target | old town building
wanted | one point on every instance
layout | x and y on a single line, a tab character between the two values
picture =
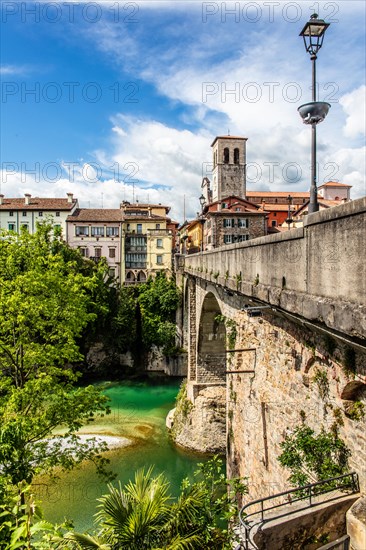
146	241
19	213
229	216
96	232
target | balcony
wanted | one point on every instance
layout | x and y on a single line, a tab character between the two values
135	265
129	248
158	232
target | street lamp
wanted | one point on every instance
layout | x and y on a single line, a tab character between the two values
289	219
201	218
315	112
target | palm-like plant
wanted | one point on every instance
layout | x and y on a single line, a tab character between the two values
143	516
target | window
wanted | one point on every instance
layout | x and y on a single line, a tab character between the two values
11	226
82	231
224	205
241	238
238	209
112	252
209	239
157	226
24	226
24	214
159	243
243	222
57	214
228	222
40	214
112	272
139	228
112	231
134	260
275	214
84	251
236	156
226	155
228	239
98	252
97	231
11	213
274	223
159	259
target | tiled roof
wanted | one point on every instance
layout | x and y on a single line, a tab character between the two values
228	137
275	207
334	184
37	203
271	194
96	215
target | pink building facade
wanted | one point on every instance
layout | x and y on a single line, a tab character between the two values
97	234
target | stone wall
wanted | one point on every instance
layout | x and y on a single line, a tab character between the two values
298	374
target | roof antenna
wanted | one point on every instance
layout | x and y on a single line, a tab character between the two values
102	200
228	131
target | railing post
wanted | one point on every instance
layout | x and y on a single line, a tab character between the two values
310	503
262	511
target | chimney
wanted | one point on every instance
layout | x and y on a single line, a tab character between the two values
27	197
1	199
70	197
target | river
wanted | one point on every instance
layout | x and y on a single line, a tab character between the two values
138	414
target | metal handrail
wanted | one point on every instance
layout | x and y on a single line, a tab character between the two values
301	493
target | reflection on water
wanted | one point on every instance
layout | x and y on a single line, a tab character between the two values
138	413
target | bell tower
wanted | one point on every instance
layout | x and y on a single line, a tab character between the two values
229	167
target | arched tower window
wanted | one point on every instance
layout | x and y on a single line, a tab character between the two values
236	155
215	158
226	155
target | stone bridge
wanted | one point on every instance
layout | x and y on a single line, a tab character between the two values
275	330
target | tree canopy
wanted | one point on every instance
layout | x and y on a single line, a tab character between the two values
48	295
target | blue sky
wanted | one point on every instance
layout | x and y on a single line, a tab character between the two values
115	100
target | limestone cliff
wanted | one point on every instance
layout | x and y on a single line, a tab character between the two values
201	427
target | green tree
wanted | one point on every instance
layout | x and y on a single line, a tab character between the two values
323	455
48	296
159	299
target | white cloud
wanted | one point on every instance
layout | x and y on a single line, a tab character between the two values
354	105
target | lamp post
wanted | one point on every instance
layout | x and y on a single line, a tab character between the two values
202	219
289	219
316	111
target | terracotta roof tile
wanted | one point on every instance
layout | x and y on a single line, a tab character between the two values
96	215
334	184
37	203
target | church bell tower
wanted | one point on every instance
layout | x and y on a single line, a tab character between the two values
229	167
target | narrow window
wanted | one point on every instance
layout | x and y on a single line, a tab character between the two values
112	252
139	228
226	155
157	226
236	155
11	226
11	213
24	214
159	259
98	252
274	223
40	214
57	214
159	243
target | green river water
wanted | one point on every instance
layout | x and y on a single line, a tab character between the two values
139	410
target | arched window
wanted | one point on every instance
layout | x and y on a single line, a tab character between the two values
215	158
236	155
226	155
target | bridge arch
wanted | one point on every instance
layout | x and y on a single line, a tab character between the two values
211	345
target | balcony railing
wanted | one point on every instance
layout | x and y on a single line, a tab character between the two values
136	265
157	232
307	496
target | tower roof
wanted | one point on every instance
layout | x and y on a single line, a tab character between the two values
228	137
